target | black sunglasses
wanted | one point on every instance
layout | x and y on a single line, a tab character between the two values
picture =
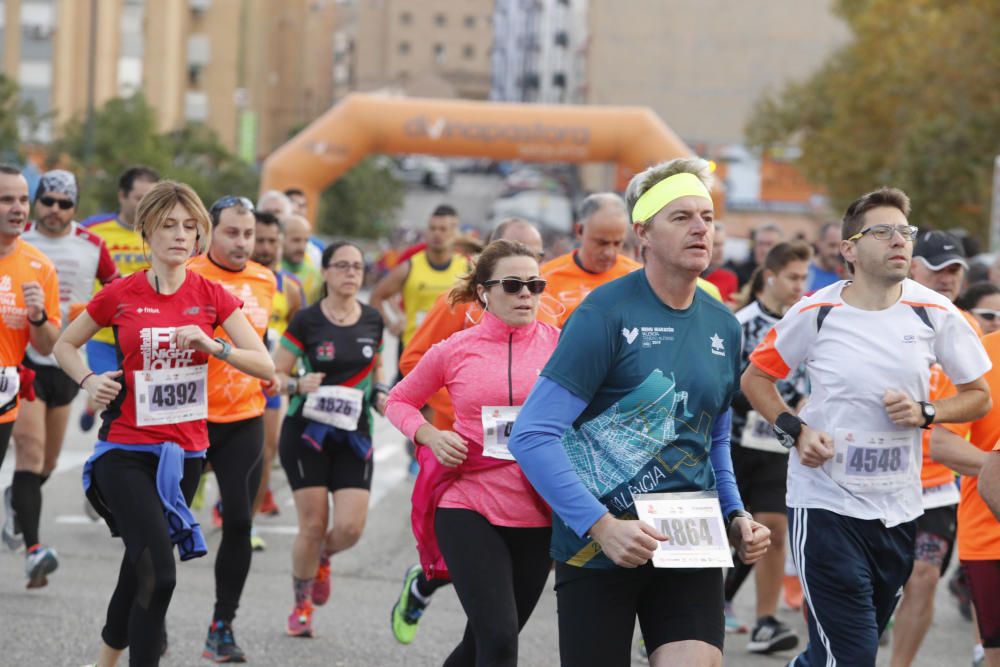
229	201
515	285
64	204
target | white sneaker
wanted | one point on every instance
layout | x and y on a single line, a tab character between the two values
12	537
38	564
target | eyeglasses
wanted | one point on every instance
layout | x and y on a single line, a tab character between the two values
229	201
986	314
345	265
515	285
64	204
885	232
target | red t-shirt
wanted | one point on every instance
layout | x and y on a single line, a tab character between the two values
144	324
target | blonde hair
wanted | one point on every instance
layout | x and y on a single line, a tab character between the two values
157	204
644	180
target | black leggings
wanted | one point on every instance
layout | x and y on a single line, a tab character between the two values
146	579
499	574
5	431
236	452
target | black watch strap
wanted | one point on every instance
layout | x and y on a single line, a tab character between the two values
735	514
788	427
40	321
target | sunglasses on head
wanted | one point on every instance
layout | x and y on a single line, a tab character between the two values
515	285
228	202
64	204
986	314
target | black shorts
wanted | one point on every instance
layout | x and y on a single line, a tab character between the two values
761	477
984	582
936	530
598	607
52	386
336	467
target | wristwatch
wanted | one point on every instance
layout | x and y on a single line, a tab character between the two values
787	428
39	322
226	349
292	386
929	412
735	514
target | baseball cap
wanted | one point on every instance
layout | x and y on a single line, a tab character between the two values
940	249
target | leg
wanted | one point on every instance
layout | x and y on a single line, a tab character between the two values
26	488
350	511
531	564
771	568
311	506
587	639
681	616
984	582
272	430
56	421
5	431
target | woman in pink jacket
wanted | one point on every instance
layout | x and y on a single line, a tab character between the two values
476	518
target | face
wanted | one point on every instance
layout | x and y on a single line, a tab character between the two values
13	204
764	240
988	321
233	238
267	244
947	281
883	261
297	232
52	218
828	249
788	285
441	231
680	235
299	204
345	272
174	240
127	204
527	235
513	309
602	238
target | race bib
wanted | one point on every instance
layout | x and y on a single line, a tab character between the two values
942	495
693	524
498	422
10	384
759	434
873	461
170	395
335	405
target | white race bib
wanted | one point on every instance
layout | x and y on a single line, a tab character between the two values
942	495
498	422
10	384
693	523
873	461
171	395
759	434
335	405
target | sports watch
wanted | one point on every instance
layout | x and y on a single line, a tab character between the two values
226	349
929	412
787	428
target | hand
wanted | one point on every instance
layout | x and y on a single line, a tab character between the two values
396	327
749	538
815	447
449	448
103	388
193	337
902	410
627	543
271	387
310	382
34	299
380	401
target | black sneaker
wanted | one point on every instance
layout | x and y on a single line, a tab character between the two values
220	645
770	635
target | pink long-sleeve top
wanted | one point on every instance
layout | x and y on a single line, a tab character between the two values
490	364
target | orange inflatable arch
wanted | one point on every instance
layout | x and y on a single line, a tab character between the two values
362	124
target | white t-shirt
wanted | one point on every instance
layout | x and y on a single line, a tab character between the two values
852	357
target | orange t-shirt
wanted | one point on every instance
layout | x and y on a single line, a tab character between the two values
569	284
24	264
978	529
232	394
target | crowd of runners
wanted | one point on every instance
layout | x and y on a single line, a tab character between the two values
653	423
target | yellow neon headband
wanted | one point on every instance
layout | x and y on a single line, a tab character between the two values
664	192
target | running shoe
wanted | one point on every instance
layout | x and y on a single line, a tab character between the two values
734	625
978	655
11	532
408	609
321	583
793	592
39	562
87	419
770	635
217	514
257	542
220	645
268	506
198	501
300	620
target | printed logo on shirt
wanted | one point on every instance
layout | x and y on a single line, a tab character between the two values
653	336
5	284
367	351
158	346
193	310
147	310
909	338
630	335
14	317
718	345
325	351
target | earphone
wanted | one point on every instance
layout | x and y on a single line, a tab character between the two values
770	280
486	300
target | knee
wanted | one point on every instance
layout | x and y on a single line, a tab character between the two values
923	580
154	584
312	530
30	451
498	646
236	529
350	533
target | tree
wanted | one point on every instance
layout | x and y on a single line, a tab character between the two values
362	203
910	102
17	116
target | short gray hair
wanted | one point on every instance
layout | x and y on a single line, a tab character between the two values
598	201
275	194
501	229
645	180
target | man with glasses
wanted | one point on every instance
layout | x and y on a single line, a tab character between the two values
235	413
854	490
79	257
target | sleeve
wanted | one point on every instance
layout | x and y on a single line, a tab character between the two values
106	269
787	343
437	326
411	393
50	285
722	464
959	350
586	350
225	303
549	410
103	305
294	338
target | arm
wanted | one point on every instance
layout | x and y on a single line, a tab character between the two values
722	464
385	289
295	298
956	452
989	482
439	323
970	403
102	388
106	268
248	353
42	300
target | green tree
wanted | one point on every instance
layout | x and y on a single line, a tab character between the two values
16	115
910	102
362	203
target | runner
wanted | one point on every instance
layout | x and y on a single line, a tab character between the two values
276	203
117	230
296	259
827	266
760	462
79	257
982	301
29	292
854	489
152	442
326	443
649	353
476	518
235	413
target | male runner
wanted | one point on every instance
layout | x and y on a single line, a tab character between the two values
296	258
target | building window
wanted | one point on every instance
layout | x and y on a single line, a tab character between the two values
470	21
404	48
439	53
406	18
440	20
469	52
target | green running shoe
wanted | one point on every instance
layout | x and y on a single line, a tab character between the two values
408	609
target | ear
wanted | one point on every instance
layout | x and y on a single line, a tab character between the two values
641	232
578	229
848	251
480	290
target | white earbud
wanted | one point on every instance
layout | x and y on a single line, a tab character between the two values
770	280
486	301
